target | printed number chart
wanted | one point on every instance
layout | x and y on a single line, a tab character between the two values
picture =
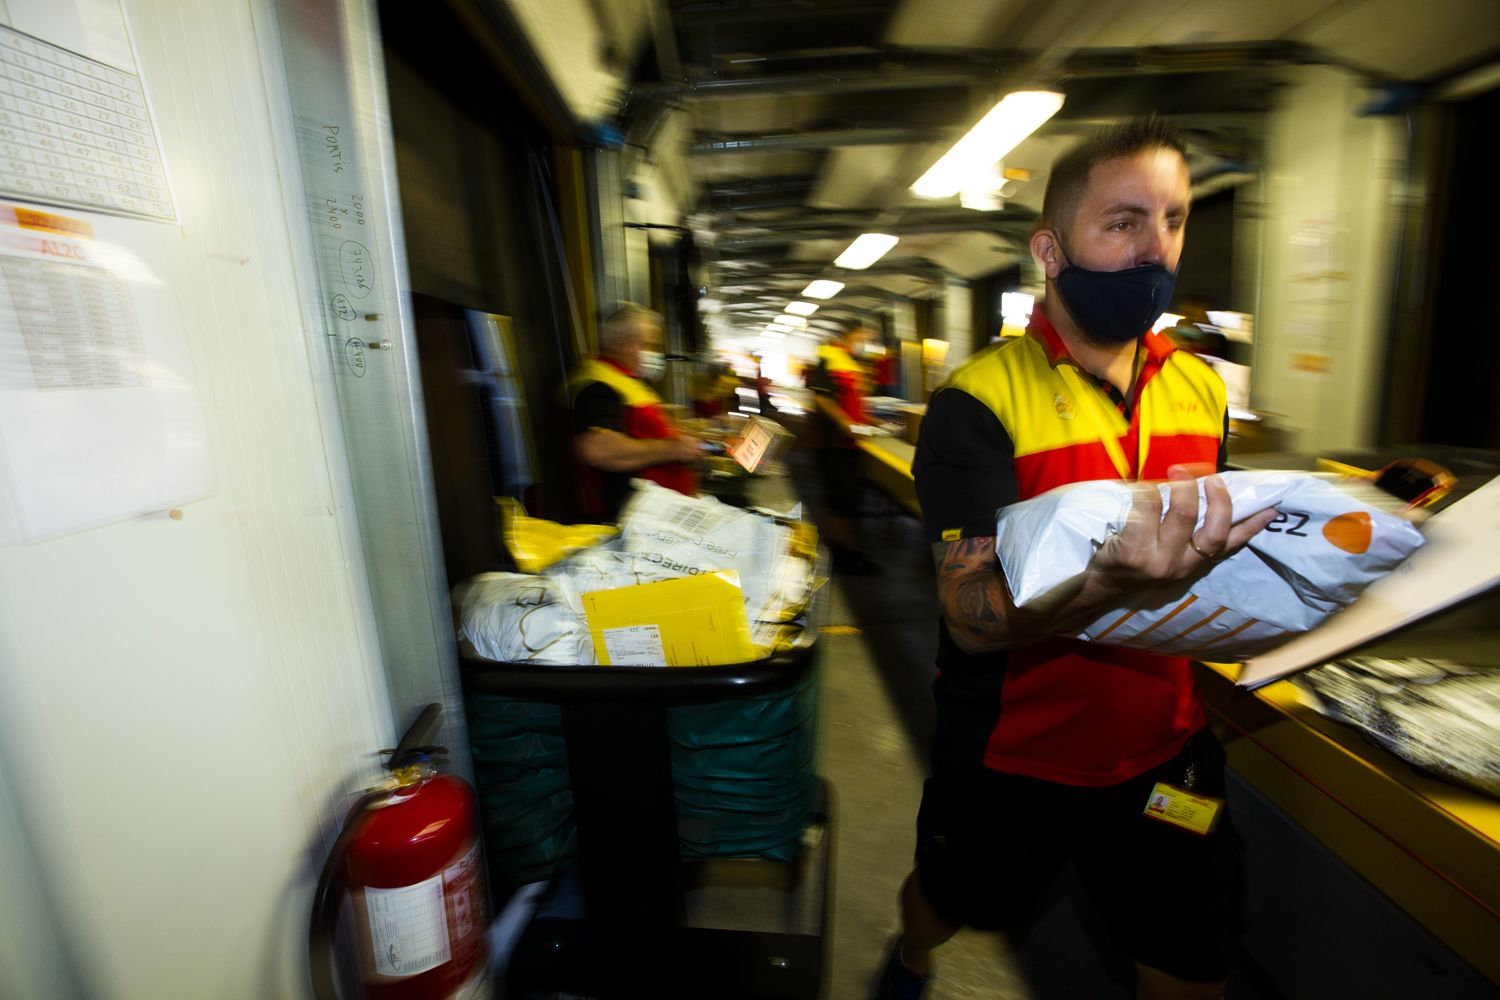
77	132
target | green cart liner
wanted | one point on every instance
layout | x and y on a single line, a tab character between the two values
744	771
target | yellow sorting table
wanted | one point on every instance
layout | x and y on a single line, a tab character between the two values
1432	847
887	462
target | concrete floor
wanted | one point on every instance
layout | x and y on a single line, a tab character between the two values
876	770
877	659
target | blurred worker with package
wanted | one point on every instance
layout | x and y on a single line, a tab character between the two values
620	430
1049	750
840	386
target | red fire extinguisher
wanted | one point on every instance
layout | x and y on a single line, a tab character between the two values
409	860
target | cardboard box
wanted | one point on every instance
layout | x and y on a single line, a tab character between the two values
914	415
695	621
761	441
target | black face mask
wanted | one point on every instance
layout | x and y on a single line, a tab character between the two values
1113	307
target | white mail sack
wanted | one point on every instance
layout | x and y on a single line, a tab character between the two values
601	567
1324	548
520	618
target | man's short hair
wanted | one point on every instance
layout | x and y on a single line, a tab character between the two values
619	325
1069	179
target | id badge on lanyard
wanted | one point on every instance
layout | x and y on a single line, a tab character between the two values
1180	806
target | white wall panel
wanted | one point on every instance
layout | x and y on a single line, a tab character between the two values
1328	259
958	321
185	705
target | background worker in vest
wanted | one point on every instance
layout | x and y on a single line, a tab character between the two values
1048	750
620	429
840	385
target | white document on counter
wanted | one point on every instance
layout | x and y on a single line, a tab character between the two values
1461	558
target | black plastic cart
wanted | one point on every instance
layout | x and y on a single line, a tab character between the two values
651	922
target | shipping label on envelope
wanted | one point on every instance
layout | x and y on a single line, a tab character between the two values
690	622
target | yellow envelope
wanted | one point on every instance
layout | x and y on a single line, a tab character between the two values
696	621
536	544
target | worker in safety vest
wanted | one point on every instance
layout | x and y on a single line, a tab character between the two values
840	384
1051	752
620	429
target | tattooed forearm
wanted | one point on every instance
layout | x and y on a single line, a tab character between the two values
972	594
978	618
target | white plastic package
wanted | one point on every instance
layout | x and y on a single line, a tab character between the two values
520	618
602	567
1441	715
690	535
1326	546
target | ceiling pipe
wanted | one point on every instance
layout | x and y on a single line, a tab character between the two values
768	282
805	270
848	233
907	221
763	185
848	82
746	195
816	141
1168	60
901	71
738	12
762	203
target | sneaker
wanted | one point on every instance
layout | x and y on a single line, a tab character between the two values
898	982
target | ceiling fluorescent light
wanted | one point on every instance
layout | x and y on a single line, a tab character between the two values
864	251
823	289
770	334
792	322
800	308
1008	122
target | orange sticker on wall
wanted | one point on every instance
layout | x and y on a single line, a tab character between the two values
1350	532
46	222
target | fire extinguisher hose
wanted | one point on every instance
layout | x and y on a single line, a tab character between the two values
327	899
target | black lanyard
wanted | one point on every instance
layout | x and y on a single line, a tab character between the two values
1125	404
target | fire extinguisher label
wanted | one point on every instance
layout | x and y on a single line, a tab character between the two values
408	927
463	884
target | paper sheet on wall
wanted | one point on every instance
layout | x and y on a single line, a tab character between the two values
75	127
1457	562
99	415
